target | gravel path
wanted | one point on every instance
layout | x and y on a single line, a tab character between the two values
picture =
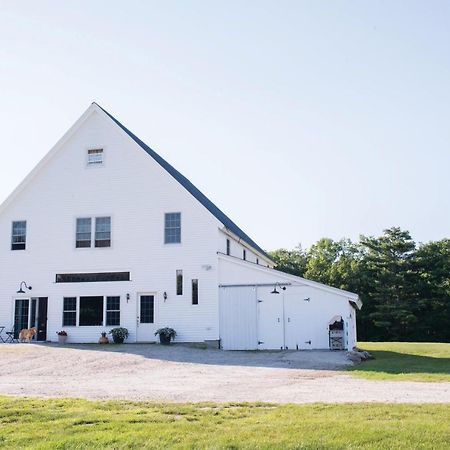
181	373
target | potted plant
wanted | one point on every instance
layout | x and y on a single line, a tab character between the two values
165	335
62	337
103	338
119	334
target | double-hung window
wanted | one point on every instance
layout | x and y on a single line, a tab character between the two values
19	235
83	233
172	228
103	231
112	311
69	312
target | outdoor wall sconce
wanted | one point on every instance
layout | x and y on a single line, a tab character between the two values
275	288
21	291
307	299
128	297
165	295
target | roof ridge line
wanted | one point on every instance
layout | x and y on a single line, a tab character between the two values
189	186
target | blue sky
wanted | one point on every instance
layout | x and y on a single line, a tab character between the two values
300	119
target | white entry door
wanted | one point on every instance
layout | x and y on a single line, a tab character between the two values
146	318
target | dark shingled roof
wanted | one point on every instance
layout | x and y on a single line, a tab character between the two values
205	201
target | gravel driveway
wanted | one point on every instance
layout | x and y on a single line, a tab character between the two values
181	373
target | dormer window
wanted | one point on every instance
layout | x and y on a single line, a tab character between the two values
95	157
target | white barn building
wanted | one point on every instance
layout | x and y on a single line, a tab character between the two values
107	234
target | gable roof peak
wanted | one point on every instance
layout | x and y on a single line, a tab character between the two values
193	190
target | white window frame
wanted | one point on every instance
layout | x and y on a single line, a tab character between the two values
164	228
100	151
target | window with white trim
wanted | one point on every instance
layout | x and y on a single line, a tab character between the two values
195	292
83	233
112	311
172	228
19	235
95	157
103	231
69	312
179	284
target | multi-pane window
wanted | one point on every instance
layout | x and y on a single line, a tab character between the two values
91	311
195	292
95	156
228	247
69	312
19	235
103	231
172	228
83	233
112	311
179	282
244	254
257	260
102	235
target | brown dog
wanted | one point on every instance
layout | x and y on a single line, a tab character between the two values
27	334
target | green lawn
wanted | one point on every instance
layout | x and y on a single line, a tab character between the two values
403	361
80	424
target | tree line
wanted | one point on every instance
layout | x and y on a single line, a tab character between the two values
404	285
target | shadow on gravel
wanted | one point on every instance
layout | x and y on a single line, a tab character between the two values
190	353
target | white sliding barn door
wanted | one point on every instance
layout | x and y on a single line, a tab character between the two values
238	318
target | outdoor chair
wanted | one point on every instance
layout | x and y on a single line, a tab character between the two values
10	337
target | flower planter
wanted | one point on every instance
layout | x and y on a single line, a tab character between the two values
164	339
118	340
62	339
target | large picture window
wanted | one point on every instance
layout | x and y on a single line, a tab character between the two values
172	228
19	235
91	311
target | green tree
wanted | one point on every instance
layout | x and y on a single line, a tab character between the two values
388	263
290	261
432	266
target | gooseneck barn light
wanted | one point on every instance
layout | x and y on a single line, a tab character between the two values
21	291
275	288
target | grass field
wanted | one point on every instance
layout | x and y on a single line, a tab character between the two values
405	361
80	424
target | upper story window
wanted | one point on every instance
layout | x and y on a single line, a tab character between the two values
95	157
83	233
172	228
103	231
19	235
228	247
102	237
244	254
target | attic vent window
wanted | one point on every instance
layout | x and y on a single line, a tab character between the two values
95	157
